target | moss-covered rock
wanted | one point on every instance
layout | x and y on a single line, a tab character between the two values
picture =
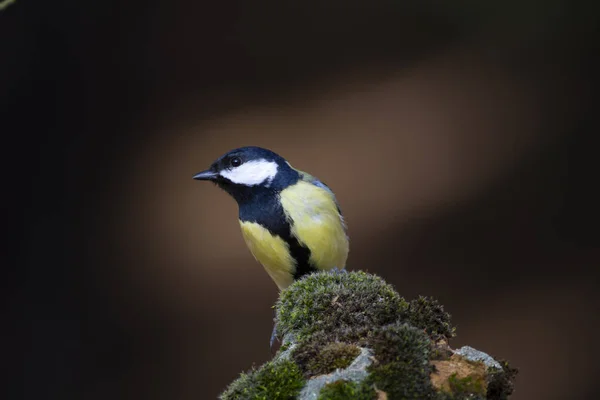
344	390
280	380
315	358
471	384
399	342
459	376
329	302
428	314
351	336
500	381
401	367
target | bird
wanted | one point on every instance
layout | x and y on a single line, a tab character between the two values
290	220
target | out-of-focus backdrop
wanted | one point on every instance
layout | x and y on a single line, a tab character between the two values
457	137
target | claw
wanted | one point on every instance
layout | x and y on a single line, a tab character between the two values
273	337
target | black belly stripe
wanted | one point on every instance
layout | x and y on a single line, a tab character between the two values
302	256
266	210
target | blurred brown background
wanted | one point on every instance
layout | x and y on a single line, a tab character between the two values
456	136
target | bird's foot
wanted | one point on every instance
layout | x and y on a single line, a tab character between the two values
274	337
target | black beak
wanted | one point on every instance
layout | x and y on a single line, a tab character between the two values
207	175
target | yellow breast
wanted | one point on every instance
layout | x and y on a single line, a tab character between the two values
271	251
317	224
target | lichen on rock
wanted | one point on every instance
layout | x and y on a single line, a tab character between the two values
352	336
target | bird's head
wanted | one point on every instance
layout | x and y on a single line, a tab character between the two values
248	171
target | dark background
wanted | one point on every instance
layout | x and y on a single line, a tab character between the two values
458	138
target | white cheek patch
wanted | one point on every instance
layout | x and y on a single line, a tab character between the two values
252	173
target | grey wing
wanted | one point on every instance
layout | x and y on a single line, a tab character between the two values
320	184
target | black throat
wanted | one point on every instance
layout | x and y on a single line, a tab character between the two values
264	207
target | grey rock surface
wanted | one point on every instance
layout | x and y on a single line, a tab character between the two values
356	372
475	355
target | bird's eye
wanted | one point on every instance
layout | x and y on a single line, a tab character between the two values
235	162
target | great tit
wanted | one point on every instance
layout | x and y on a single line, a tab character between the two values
290	220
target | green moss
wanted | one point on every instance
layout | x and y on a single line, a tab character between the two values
402	380
347	335
326	318
312	346
344	390
329	303
281	380
242	388
501	382
399	342
314	358
284	346
428	314
402	367
452	396
440	353
466	385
